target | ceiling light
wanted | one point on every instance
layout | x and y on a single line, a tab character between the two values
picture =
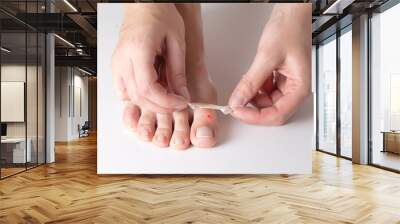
84	71
70	5
64	40
5	50
337	7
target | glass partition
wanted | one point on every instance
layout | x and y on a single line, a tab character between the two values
14	153
22	67
327	95
41	96
346	93
385	89
31	100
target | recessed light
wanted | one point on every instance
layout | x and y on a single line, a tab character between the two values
64	40
84	71
70	5
5	49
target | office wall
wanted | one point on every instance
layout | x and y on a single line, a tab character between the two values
71	102
15	72
80	109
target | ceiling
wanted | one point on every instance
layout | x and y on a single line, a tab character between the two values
76	22
332	15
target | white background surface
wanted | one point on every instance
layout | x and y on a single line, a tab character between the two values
231	35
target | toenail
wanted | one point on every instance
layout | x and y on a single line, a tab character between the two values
130	128
160	138
145	133
179	141
204	132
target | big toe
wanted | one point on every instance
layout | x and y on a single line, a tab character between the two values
203	130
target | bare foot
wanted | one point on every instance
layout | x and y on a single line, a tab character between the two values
175	130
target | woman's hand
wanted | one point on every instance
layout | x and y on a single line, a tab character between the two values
279	78
150	32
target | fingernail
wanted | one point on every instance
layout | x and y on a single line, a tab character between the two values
183	91
179	141
204	132
237	101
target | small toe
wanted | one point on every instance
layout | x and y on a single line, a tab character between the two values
146	126
163	133
180	138
203	130
130	116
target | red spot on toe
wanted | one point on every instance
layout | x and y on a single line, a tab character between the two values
208	116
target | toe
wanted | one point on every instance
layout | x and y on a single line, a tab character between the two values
203	133
146	125
180	138
131	116
163	133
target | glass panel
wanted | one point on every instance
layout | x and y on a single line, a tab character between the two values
41	98
327	96
385	87
31	100
13	93
346	94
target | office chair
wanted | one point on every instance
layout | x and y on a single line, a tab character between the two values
84	130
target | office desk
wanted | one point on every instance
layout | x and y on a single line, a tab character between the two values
391	141
13	150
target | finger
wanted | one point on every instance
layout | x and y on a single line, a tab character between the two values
276	114
262	67
120	88
120	66
262	100
130	82
176	67
150	106
276	95
150	88
269	84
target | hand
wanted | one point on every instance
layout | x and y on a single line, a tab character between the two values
151	31
178	130
279	78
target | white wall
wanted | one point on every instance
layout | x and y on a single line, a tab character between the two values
67	115
16	72
33	127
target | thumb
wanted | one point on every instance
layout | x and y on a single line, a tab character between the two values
261	68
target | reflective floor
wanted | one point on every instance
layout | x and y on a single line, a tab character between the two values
70	191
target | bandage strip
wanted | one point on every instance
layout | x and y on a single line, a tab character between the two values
224	109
